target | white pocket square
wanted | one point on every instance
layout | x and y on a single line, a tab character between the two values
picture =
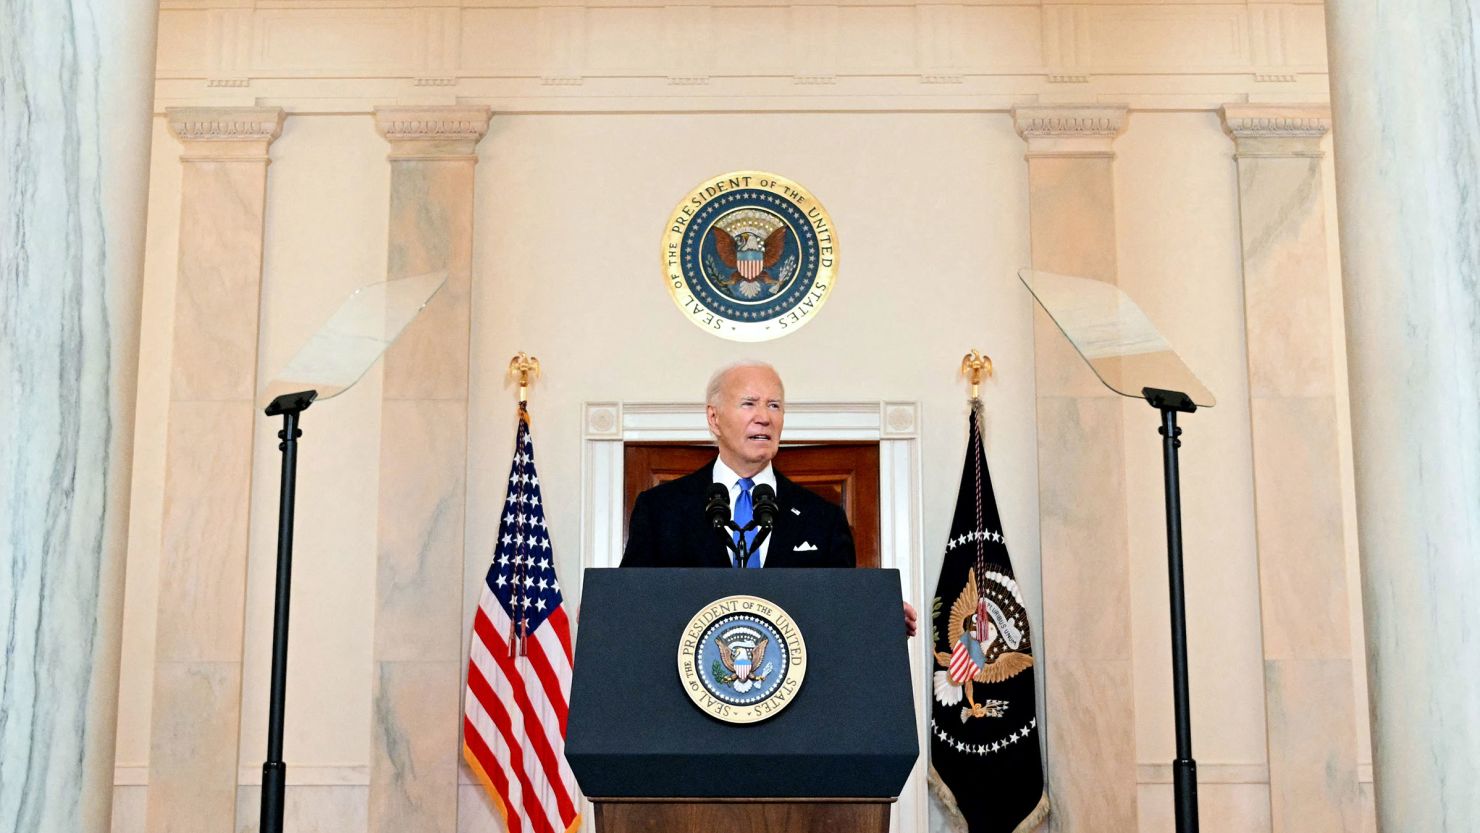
804	546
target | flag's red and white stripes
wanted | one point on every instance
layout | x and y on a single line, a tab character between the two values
962	667
514	720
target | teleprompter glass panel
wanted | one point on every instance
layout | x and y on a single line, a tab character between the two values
1114	336
368	322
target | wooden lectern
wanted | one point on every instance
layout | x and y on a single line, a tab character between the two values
651	761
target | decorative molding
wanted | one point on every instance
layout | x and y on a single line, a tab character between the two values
228	82
435	82
603	420
1255	121
1225	773
1069	130
1069	120
350	775
688	80
900	420
1269	130
324	775
1206	773
225	134
432	132
225	124
1168	54
407	123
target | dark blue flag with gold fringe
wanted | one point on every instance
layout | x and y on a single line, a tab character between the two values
984	758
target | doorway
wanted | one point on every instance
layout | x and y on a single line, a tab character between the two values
844	474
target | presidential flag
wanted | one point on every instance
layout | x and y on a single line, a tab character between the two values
984	759
519	670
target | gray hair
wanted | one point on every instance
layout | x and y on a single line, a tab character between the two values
717	381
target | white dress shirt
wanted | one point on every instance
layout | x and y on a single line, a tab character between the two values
725	476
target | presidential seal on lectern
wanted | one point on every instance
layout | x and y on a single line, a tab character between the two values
749	256
742	659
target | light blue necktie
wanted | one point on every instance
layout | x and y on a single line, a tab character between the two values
743	515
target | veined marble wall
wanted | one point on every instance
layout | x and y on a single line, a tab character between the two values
74	127
563	149
1406	109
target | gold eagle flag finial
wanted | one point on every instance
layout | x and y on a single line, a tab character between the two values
975	367
526	367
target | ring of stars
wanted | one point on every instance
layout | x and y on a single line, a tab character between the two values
771	686
766	308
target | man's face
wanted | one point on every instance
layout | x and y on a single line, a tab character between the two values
746	420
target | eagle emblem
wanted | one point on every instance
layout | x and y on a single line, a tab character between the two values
743	660
750	258
987	635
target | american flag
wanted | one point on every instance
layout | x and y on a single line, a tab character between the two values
520	665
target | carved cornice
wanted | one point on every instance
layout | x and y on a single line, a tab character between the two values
1057	130
1277	130
1254	121
401	123
432	132
225	133
225	124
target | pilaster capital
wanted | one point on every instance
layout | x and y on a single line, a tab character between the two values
1070	130
225	134
1277	129
433	132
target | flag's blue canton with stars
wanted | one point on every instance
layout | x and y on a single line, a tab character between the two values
523	573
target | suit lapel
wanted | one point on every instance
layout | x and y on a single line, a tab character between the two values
707	545
784	533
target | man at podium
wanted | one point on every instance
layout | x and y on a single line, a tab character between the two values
745	406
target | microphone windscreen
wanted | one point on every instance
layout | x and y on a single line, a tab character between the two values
764	498
717	504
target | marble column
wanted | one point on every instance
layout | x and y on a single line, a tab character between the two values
1405	91
74	134
1088	691
195	728
1309	697
419	627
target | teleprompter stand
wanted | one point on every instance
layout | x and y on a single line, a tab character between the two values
1129	356
331	361
274	771
1184	768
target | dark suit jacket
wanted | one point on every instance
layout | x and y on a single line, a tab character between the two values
668	528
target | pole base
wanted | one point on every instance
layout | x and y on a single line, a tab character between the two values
274	780
1184	788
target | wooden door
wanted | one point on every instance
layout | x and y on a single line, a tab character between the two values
846	474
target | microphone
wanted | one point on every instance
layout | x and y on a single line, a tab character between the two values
763	499
717	505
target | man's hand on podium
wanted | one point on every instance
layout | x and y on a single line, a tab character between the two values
910	617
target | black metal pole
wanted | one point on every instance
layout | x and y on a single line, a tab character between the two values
1184	768
274	771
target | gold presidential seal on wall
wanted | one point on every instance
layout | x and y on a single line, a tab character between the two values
742	659
750	256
